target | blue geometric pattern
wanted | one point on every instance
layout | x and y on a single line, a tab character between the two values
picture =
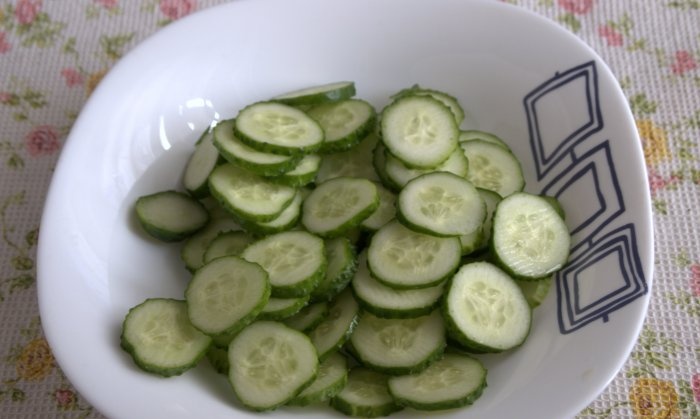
565	111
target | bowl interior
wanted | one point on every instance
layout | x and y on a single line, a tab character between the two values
516	74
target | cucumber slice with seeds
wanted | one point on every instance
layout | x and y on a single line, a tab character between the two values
285	221
400	175
485	310
351	163
282	308
199	166
170	216
308	317
345	123
420	131
441	204
454	381
338	205
530	240
295	261
278	128
470	135
160	338
226	294
404	259
341	267
331	334
303	174
365	395
493	167
385	212
446	99
318	94
398	346
270	365
230	243
332	377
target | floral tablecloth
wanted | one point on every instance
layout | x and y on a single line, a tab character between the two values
54	52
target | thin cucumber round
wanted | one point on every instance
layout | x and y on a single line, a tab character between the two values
160	338
342	263
226	294
379	158
218	359
330	92
420	131
400	175
278	128
170	215
442	204
345	123
230	243
454	381
192	252
332	377
398	346
529	238
365	395
350	163
285	221
493	167
282	308
270	364
338	205
295	261
331	334
470	135
308	317
404	259
199	166
535	292
485	310
302	174
446	99
385	212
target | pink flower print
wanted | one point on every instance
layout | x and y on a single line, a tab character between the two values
42	140
577	7
695	289
72	77
175	9
611	36
65	399
107	4
4	45
695	383
683	63
26	11
658	182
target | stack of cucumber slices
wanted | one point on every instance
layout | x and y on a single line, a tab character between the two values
346	257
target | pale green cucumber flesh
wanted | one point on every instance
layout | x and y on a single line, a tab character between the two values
170	215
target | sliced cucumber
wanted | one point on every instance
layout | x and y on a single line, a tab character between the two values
318	94
170	216
454	381
230	243
400	175
470	135
278	128
258	162
351	163
270	364
386	302
285	221
530	240
554	202
295	261
338	205
331	334
446	99
535	292
193	250
342	264
332	377
385	212
345	123
485	310
442	204
493	167
365	395
404	259
379	158
303	174
249	196
398	346
199	166
218	359
160	338
420	131
226	294
308	317
282	308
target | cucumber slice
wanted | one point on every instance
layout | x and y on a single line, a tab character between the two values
345	123
385	212
365	395
446	99
332	377
341	267
442	204
420	131
170	216
303	174
248	196
218	359
318	94
454	381
338	205
491	199
493	167
400	175
379	157
351	163
398	346
270	364
278	128
295	261
258	162
285	221
470	135
485	310
282	308
160	338
308	317
199	166
386	302
530	240
404	259
230	243
192	252
554	202
226	294
331	334
535	292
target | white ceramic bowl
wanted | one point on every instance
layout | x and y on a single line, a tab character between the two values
515	73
